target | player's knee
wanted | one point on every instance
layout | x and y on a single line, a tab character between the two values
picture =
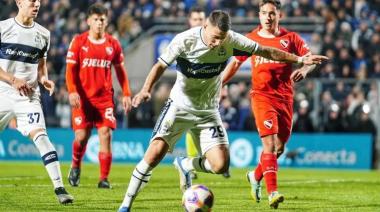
220	167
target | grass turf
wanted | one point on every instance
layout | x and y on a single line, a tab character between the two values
25	186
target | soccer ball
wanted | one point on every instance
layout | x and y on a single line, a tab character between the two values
197	198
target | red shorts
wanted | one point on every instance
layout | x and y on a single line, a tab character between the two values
89	116
272	116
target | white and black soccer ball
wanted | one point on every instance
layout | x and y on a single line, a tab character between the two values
198	198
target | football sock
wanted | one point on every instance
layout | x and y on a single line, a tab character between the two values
78	152
140	177
259	171
49	158
269	168
198	164
105	160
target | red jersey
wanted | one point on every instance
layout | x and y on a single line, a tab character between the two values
92	61
272	78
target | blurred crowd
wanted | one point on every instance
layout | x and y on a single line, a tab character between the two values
351	39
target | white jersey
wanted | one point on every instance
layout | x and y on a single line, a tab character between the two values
198	83
21	48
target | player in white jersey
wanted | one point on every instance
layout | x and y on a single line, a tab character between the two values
23	51
201	54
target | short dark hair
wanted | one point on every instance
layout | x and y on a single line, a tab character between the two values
221	19
276	3
196	9
97	8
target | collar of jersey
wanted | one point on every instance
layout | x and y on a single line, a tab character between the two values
22	25
101	41
200	34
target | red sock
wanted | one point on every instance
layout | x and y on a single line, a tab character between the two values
259	171
105	160
78	152
269	167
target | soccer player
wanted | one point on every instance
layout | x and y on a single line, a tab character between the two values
89	82
24	45
201	54
271	95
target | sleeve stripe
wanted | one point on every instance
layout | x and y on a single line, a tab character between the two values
255	49
160	58
71	61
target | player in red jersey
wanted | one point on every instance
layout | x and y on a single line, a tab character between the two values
271	95
89	82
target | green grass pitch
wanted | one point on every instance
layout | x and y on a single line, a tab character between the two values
24	186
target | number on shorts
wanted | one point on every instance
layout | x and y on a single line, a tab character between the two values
217	132
33	118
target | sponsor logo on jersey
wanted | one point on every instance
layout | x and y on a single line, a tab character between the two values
99	63
284	43
85	48
109	50
268	123
222	52
262	60
21	53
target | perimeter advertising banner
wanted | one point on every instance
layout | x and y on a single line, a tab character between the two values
352	151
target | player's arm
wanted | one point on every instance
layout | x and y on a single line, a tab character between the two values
279	55
153	76
232	67
122	77
43	76
301	73
72	74
21	85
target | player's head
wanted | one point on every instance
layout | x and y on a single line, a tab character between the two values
216	28
97	18
28	8
196	17
270	14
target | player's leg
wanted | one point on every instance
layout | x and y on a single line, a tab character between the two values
105	122
191	150
31	123
168	129
79	149
212	138
105	156
266	121
143	171
81	125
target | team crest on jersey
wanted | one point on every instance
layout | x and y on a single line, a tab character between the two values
222	52
37	38
268	123
109	50
78	120
284	43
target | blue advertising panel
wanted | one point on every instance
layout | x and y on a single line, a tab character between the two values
353	151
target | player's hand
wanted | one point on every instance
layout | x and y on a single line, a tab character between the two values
22	86
74	100
313	59
48	85
127	103
141	97
298	75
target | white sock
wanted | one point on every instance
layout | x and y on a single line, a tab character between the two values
199	164
49	158
140	177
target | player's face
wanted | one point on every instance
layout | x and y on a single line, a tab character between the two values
214	37
269	17
197	19
97	23
29	8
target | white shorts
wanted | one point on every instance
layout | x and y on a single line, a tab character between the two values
206	127
28	113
